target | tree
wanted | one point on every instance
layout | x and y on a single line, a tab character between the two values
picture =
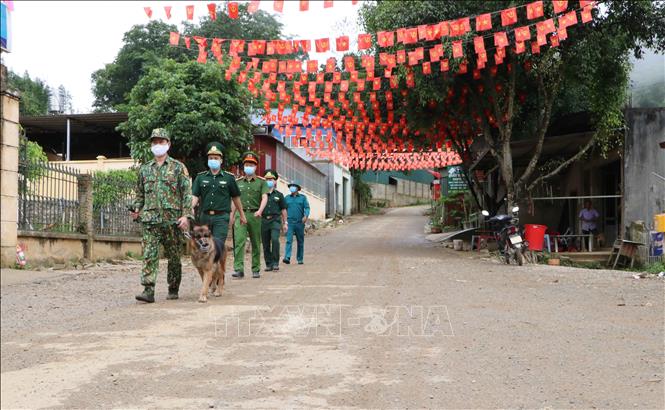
588	71
145	45
196	105
34	93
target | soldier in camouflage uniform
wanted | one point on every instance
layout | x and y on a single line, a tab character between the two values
163	205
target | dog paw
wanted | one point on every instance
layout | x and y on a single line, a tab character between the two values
203	299
217	294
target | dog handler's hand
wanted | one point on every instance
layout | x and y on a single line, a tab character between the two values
183	223
243	220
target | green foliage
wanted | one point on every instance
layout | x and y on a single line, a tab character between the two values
34	93
145	45
655	268
31	160
361	189
196	105
113	187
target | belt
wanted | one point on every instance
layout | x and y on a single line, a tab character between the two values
251	210
211	212
269	217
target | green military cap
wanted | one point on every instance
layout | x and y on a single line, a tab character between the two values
250	156
160	133
296	184
271	173
214	148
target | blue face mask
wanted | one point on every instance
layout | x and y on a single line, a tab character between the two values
249	170
293	189
271	184
214	164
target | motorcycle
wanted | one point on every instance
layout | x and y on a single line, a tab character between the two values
508	236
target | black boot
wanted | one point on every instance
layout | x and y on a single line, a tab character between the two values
238	275
148	295
173	294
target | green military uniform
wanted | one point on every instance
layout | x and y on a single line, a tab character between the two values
163	195
271	225
215	192
252	190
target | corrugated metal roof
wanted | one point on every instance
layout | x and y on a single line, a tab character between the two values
80	123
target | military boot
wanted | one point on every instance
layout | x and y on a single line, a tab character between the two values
148	295
173	294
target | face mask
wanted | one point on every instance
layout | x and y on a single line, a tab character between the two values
159	149
214	164
249	170
271	184
293	189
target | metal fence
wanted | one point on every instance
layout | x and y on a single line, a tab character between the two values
112	195
48	197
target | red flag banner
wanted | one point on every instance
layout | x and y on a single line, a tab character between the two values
342	43
212	11
484	22
253	6
585	14
411	36
304	5
327	4
233	10
385	38
167	10
479	44
174	38
148	11
522	34
500	39
322	45
560	6
508	17
567	20
278	5
190	12
364	41
312	66
534	10
585	3
458	51
187	42
545	26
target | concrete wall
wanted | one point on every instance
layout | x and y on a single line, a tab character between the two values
339	187
404	193
8	176
50	247
317	204
644	165
100	164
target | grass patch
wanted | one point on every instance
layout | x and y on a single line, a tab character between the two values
372	210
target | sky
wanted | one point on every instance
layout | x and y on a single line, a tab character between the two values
64	42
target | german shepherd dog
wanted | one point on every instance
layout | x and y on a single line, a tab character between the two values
209	258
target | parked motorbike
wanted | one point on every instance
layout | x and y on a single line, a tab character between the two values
508	236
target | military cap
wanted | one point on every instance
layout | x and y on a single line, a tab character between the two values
249	156
160	133
214	148
271	173
295	183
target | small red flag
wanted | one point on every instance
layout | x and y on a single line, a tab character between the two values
253	6
312	66
322	45
327	4
484	22
445	65
545	26
411	36
386	38
342	43
458	52
304	5
508	17
500	39
534	10
427	68
190	12
212	10
167	10
560	5
187	42
584	3
522	34
586	15
174	38
364	41
233	10
519	47
479	44
148	11
278	5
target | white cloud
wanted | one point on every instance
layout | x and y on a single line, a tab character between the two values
63	42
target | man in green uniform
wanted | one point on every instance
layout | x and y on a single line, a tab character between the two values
163	204
254	196
213	191
297	208
273	216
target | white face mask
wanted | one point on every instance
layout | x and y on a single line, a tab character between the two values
159	149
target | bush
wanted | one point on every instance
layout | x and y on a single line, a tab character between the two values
113	187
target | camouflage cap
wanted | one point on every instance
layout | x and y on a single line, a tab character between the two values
271	173
160	133
250	156
214	148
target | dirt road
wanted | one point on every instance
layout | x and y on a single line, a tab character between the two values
377	317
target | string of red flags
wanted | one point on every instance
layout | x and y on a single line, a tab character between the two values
232	8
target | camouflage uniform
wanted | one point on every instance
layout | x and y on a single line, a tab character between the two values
163	195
